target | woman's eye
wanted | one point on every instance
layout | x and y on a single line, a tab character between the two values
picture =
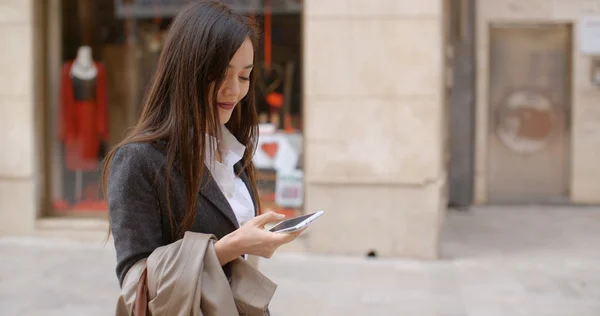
245	78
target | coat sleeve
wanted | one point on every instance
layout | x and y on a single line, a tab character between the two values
133	207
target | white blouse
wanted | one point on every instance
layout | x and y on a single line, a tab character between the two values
233	187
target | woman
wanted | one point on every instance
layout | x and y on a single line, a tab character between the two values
187	164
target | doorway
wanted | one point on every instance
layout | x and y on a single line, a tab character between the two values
529	107
460	99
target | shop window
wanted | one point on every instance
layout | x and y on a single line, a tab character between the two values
123	39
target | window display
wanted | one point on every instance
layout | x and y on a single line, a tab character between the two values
110	51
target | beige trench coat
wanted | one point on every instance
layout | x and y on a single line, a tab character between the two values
185	278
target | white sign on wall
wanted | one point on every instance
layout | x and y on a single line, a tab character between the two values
589	35
289	188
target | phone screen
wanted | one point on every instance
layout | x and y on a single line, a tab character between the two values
290	222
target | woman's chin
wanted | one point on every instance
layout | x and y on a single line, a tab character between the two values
224	117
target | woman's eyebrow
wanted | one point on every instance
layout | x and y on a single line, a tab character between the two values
247	67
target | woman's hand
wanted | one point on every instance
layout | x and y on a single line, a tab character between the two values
252	238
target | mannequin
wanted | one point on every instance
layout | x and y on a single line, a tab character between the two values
83	66
84	126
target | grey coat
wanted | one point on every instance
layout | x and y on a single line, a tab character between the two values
137	204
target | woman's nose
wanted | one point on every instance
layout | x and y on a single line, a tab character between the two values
231	87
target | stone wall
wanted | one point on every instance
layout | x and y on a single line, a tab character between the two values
373	125
17	128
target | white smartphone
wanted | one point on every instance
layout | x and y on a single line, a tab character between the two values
296	223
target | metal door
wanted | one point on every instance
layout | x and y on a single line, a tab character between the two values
528	113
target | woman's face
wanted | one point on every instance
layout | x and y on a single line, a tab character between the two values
237	81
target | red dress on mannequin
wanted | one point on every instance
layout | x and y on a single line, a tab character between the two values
83	118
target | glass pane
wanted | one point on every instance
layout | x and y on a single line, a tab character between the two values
109	53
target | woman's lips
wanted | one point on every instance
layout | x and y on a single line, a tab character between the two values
226	105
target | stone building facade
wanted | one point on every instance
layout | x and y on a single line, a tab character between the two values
375	110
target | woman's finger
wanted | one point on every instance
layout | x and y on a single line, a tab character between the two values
268	217
287	237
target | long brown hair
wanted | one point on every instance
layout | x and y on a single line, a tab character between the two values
201	41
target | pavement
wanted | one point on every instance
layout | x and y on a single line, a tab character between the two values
534	261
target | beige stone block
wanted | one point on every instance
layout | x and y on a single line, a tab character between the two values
379	8
17	207
581	69
383	58
585	184
16	137
15	11
89	230
480	189
574	9
481	144
422	211
515	10
372	140
392	221
357	219
585	149
581	76
16	77
481	111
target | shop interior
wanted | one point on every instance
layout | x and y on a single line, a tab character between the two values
95	108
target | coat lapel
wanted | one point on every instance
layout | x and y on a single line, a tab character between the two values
211	191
